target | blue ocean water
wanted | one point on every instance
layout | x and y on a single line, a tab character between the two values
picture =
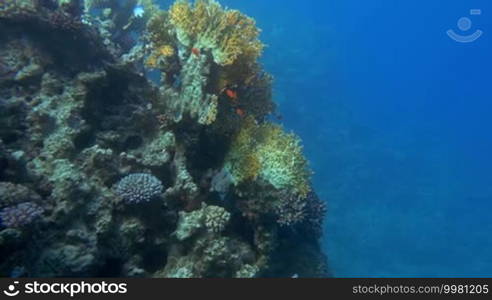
395	119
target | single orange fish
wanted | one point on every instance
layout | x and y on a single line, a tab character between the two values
195	51
240	112
231	94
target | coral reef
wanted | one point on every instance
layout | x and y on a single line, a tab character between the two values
86	131
205	54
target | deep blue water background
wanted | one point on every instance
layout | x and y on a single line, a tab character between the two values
395	118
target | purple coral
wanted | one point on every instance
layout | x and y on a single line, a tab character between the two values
138	187
20	214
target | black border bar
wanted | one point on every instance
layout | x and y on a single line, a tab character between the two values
139	288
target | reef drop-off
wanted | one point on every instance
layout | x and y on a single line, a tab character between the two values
138	144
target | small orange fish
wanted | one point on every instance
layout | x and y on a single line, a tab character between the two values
231	94
195	51
240	112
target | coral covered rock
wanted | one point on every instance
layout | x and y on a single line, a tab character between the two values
85	124
217	49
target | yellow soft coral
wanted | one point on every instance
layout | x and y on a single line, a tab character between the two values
166	50
206	25
242	161
282	161
151	61
161	52
267	152
181	15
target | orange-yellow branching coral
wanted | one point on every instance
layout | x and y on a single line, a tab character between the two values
265	151
151	61
159	33
160	53
166	50
228	34
181	15
193	35
242	161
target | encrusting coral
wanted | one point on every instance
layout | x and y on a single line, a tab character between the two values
120	174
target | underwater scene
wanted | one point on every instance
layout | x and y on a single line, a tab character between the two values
245	138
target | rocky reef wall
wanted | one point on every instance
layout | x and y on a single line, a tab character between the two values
105	172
